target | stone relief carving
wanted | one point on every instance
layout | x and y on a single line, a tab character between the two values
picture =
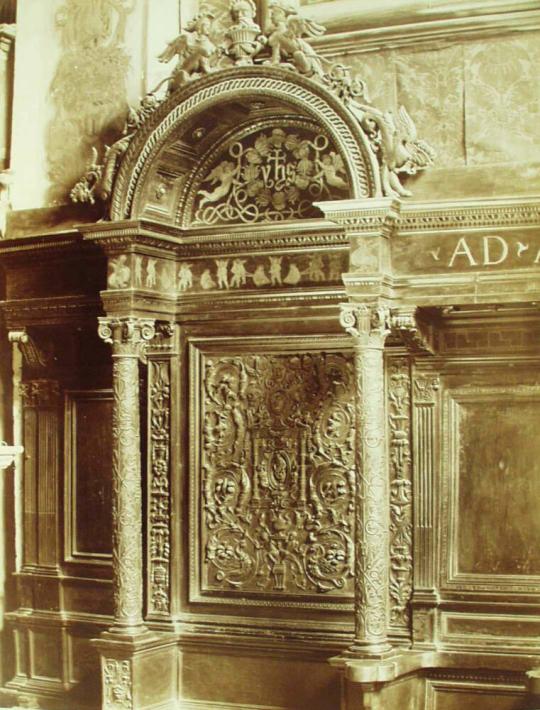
160	435
285	38
199	52
89	87
401	525
117	684
271	176
99	177
277	473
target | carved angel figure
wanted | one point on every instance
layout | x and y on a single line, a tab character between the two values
286	39
194	48
224	173
400	149
330	165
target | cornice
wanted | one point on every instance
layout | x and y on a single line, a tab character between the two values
50	310
413	34
475	213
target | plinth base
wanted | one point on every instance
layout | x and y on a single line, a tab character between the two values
138	672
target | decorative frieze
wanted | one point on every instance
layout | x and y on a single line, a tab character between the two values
40	393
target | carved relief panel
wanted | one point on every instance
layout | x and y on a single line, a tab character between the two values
273	479
274	172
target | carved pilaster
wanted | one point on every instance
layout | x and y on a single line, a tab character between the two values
401	523
128	337
369	327
425	395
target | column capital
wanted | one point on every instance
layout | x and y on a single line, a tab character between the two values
127	335
368	324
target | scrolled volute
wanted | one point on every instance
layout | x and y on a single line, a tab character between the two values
128	336
368	324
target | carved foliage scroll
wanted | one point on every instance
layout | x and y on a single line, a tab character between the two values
277	473
401	524
159	530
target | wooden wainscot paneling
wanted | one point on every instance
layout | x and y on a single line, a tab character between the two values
46	653
272	431
481	630
88	482
473	695
42	432
491	479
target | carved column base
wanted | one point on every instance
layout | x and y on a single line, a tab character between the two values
138	673
369	651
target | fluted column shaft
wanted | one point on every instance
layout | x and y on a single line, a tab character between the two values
369	328
128	337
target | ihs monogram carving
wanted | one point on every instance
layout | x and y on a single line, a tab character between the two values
272	175
159	400
277	473
401	525
117	684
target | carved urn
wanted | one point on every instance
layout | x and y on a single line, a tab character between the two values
245	43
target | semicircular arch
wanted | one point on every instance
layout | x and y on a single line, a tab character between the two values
303	95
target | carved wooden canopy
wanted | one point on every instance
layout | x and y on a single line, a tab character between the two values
255	127
171	158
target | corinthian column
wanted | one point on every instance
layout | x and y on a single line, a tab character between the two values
128	337
369	327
